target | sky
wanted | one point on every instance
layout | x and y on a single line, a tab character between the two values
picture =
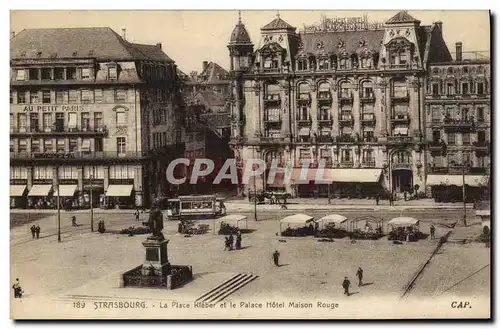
190	37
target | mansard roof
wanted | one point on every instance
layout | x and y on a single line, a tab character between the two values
277	24
335	42
240	34
402	17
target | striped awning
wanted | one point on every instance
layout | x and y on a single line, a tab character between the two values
119	190
66	190
40	190
17	190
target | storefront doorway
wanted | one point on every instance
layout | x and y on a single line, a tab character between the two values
402	180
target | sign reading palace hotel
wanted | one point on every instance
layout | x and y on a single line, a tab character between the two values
52	108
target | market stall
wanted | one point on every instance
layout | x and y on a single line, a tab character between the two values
404	229
333	226
298	225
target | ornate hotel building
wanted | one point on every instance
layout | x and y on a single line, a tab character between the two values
90	112
345	91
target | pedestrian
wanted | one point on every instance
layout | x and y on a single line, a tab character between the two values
433	231
226	243
276	258
359	274
33	231
377	198
238	241
37	231
18	291
346	284
73	221
137	214
231	241
405	194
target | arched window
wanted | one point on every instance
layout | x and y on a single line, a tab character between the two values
367	89
323	63
344	64
324	90
302	64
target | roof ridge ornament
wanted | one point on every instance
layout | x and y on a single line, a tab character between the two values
239	16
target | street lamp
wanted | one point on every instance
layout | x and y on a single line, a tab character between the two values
254	191
58	207
465	168
91	204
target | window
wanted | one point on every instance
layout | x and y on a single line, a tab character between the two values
343	64
465	88
46	96
436	136
323	64
34	97
11	122
61	145
43	172
72	120
60	96
120	95
304	113
305	154
21	97
48	146
85	73
273	114
86	96
368	135
480	114
98	121
345	93
33	73
22	145
35	145
465	138
481	137
98	145
112	74
120	145
73	144
12	142
324	113
164	138
480	161
59	122
402	58
121	119
302	65
34	122
59	73
73	96
46	74
21	75
47	121
85	121
346	155
451	139
368	156
98	95
480	88
450	88
368	92
435	88
325	154
71	73
22	120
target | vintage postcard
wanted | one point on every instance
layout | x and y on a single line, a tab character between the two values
250	165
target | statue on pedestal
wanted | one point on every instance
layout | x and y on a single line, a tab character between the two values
155	224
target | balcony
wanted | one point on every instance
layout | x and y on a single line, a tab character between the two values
325	139
368	164
304	99
368	119
304	120
458	124
345	98
60	130
77	156
401	118
347	163
368	98
272	99
346	120
271	120
324	120
435	146
274	140
401	97
401	165
324	98
399	140
346	139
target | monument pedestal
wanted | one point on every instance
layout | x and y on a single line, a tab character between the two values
156	263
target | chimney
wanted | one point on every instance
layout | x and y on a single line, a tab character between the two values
124	34
458	47
204	66
158	45
439	25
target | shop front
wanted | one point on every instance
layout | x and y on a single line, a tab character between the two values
119	194
93	190
18	189
67	194
449	188
40	195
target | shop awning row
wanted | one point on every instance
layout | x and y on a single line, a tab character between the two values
17	190
40	190
457	180
326	176
67	190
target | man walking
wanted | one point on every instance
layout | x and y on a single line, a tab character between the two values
359	274
18	291
276	258
136	214
33	231
377	198
346	284
231	241
433	231
37	231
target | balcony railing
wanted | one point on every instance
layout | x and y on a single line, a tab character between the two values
347	164
368	118
272	119
324	98
273	98
304	98
324	119
273	140
400	118
346	120
306	120
457	123
325	139
368	163
398	140
55	130
401	165
346	98
369	98
405	96
435	145
77	155
346	139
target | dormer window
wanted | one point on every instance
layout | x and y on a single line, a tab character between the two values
323	64
112	73
85	73
343	64
302	64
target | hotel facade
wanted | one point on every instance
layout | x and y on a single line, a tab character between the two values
345	92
